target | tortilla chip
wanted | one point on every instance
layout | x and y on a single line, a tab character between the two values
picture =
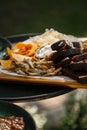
32	51
6	63
9	51
21	48
18	57
25	49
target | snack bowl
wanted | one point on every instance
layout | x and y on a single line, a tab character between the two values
8	109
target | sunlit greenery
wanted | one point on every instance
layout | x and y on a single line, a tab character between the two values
75	117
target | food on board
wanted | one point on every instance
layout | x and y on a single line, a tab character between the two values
48	54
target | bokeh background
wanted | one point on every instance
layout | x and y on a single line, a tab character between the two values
28	16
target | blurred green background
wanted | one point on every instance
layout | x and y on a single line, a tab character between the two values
28	16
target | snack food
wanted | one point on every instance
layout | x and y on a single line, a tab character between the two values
11	123
47	54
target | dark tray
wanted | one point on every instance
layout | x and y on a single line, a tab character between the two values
14	91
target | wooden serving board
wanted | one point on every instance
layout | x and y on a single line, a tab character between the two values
51	81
